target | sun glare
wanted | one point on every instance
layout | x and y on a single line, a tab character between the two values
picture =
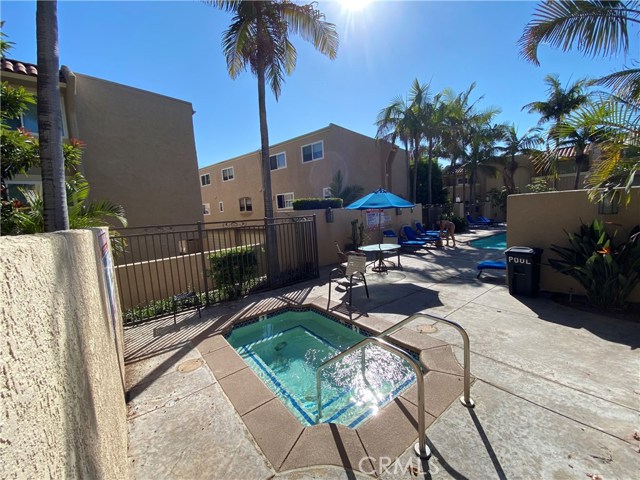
354	5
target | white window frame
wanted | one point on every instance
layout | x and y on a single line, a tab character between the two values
243	205
221	207
321	142
208	180
326	192
206	209
284	155
290	207
233	174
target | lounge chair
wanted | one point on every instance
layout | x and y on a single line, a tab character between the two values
491	265
424	232
412	236
477	223
410	239
489	221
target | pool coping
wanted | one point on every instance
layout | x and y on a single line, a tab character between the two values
287	444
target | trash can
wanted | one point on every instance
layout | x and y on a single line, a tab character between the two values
523	270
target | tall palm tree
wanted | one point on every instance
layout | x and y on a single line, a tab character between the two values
432	117
56	216
512	146
258	38
560	102
483	137
392	122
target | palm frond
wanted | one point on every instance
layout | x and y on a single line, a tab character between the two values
591	26
625	83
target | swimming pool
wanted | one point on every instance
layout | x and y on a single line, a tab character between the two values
494	242
285	350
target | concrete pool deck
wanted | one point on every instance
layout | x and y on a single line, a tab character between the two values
557	390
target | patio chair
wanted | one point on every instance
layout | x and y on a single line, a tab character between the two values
429	238
488	221
491	265
354	271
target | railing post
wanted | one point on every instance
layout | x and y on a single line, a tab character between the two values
204	265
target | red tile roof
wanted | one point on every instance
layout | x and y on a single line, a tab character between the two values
23	68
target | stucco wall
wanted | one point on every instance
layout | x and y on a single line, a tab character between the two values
540	220
340	229
140	151
361	160
63	408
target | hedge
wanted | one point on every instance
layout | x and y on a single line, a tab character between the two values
316	203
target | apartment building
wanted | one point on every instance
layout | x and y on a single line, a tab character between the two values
302	167
139	145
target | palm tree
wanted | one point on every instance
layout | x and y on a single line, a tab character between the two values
56	216
432	117
593	27
30	219
392	122
258	37
348	193
560	102
483	138
514	145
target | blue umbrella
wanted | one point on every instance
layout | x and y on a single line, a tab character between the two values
380	199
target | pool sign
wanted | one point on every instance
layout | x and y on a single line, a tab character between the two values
376	218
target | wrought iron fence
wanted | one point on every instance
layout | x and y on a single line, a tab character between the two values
216	261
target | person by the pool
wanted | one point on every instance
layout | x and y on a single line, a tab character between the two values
448	229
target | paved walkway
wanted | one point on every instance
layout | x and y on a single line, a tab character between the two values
557	390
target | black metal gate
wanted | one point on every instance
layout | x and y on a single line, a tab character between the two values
216	261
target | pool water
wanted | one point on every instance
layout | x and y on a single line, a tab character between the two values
494	242
286	349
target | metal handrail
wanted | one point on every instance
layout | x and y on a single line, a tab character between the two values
466	398
421	449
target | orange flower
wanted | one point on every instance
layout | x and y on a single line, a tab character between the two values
605	251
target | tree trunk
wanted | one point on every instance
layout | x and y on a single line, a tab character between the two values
430	174
416	160
406	152
580	160
455	180
54	195
273	264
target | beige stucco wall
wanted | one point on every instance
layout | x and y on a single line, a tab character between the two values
360	158
140	151
540	220
63	408
340	229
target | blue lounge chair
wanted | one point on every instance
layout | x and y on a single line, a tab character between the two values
477	223
491	265
489	221
423	232
410	239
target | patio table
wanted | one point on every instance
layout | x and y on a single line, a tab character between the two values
380	249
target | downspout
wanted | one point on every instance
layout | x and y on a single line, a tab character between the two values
70	105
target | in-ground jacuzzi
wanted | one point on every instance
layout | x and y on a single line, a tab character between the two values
285	349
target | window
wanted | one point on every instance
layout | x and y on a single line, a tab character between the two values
221	206
326	192
14	186
278	161
206	209
205	180
246	205
29	119
313	151
227	174
285	200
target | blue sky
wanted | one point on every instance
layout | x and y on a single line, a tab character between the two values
174	48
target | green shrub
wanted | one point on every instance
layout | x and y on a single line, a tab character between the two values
316	203
608	272
232	270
